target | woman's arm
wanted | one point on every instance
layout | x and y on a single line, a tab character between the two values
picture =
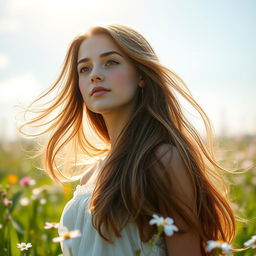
189	242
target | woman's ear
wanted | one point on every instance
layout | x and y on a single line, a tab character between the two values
141	81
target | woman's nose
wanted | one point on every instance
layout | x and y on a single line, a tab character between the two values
96	78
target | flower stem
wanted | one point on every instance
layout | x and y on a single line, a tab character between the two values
160	230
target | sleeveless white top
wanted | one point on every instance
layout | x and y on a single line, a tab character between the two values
76	215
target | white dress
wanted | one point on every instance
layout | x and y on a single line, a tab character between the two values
76	215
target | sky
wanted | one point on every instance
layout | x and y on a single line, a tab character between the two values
211	45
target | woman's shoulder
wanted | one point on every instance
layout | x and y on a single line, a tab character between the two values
172	160
85	178
166	152
89	173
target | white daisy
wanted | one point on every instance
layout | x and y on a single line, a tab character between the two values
24	201
251	242
66	237
24	246
167	223
49	225
39	190
225	247
42	201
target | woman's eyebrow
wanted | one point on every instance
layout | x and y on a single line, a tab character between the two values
101	55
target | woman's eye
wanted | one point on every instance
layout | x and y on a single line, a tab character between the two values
81	70
112	61
85	69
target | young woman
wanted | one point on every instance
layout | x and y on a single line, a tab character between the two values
117	105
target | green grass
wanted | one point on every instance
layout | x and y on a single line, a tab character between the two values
26	223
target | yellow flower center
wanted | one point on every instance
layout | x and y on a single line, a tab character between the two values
67	235
165	222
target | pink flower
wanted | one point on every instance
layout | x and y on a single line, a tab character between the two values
7	202
27	181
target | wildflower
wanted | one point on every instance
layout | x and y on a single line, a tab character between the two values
40	190
49	225
36	191
24	201
67	237
24	246
225	247
7	202
42	201
27	181
12	179
251	242
166	223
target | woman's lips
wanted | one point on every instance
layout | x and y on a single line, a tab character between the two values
99	93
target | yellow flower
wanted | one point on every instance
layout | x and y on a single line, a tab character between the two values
67	191
12	179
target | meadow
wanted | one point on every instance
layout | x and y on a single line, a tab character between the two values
29	198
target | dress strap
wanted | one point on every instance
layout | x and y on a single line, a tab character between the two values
83	189
88	187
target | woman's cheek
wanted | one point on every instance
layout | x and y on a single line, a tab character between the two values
121	78
82	87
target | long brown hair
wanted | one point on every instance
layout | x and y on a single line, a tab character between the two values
129	183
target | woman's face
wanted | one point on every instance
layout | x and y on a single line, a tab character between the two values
112	71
